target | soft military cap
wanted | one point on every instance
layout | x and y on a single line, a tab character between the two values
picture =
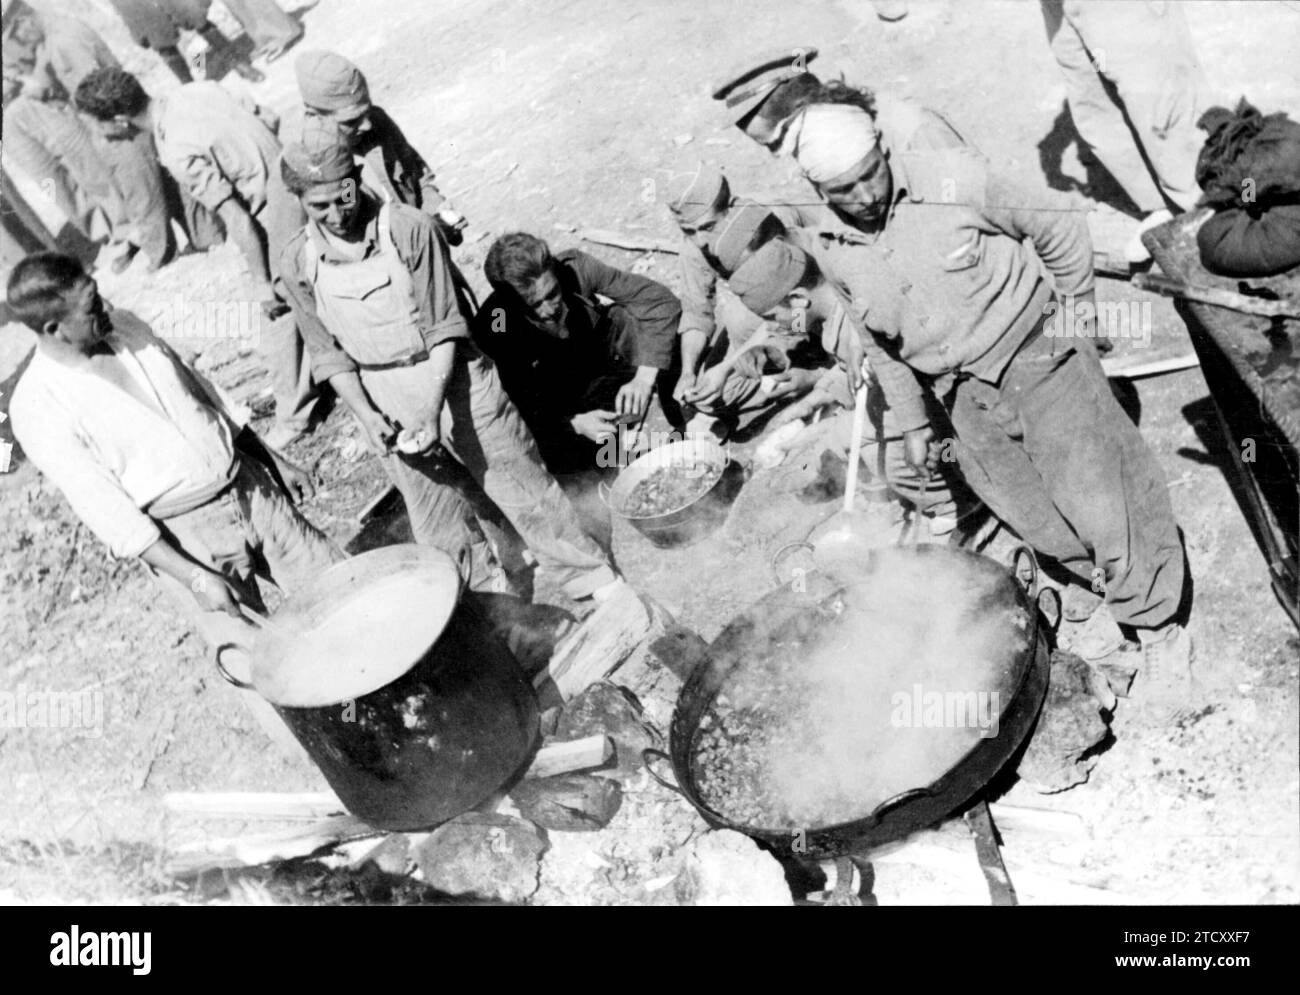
692	196
769	276
735	242
320	156
748	85
328	82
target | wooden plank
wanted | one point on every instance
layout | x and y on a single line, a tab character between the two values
1049	822
565	758
1113	366
632	243
552	759
310	805
249	851
595	648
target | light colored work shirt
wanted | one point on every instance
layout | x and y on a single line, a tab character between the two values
216	146
129	437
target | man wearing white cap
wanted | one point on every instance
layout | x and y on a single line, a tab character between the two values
955	286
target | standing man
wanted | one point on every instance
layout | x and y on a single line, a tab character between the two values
220	152
335	89
1145	133
150	456
54	52
157	24
955	287
371	285
47	56
572	365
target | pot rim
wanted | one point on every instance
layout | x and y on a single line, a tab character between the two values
1032	658
701	450
307	608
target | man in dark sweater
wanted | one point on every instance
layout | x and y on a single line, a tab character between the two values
574	365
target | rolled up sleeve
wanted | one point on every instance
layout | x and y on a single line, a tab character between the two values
200	176
699	291
94	493
442	313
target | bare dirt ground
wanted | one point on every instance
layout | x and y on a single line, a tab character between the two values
552	116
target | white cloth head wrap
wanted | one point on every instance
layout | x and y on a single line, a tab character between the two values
827	140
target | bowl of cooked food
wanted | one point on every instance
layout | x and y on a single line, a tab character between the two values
678	493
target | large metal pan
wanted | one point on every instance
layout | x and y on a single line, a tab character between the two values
800	620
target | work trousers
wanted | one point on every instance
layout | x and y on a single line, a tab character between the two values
1144	50
1054	456
252	530
484	431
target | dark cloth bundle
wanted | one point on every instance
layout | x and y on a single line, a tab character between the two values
1249	170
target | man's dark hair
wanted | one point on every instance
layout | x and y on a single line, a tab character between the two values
789	98
106	93
516	260
838	92
38	285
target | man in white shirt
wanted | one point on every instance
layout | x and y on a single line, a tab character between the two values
150	456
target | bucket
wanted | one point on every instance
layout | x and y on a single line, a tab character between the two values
698	517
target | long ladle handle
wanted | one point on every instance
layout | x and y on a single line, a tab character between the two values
855	444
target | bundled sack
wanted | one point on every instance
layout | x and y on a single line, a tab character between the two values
1249	171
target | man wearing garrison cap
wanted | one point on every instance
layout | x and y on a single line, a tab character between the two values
762	94
387	326
332	87
970	265
703	205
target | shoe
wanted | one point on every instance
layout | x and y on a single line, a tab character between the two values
1078	604
1096	639
1162	659
1135	251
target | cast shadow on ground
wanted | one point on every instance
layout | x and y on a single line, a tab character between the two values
1099	184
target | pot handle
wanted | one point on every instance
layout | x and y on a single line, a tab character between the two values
221	667
1053	597
911	794
1031	585
649	754
775	562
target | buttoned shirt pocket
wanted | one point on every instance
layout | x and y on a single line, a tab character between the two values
368	311
965	256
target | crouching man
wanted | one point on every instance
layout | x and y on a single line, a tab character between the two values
574	365
150	456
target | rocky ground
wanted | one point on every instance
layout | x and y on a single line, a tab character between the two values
562	115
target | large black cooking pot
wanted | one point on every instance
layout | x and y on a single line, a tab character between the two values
399	689
799	619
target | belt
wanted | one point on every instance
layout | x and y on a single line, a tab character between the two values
414	359
174	509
